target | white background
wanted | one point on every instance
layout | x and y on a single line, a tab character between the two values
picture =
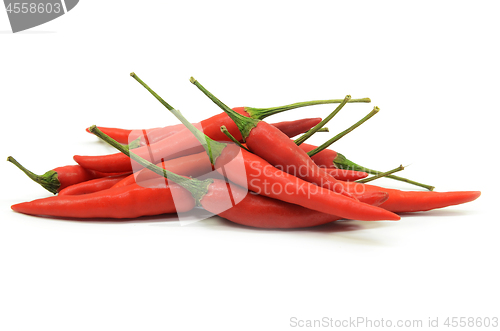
432	68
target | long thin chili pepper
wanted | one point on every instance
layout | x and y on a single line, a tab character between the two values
93	185
413	201
276	148
61	177
191	165
136	138
149	198
290	128
211	194
180	144
124	136
259	173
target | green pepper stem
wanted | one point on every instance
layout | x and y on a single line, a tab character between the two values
48	180
134	143
212	147
343	133
244	124
325	129
261	113
380	175
198	188
343	163
321	124
233	139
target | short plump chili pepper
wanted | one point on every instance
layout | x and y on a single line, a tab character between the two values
259	174
181	144
244	208
276	148
413	201
93	185
61	177
150	198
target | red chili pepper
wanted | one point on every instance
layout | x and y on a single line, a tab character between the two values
324	158
264	179
413	201
276	148
181	144
124	136
93	185
290	128
345	175
259	173
191	165
151	198
212	194
177	145
61	177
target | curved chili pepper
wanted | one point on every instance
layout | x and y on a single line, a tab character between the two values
211	194
264	179
177	145
151	198
61	177
290	128
413	201
180	144
259	174
93	185
124	136
276	148
191	165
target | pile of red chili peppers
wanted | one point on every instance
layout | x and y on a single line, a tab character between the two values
233	164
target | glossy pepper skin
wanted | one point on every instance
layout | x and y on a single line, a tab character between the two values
290	128
193	165
324	158
59	178
262	178
124	136
153	198
262	212
414	201
93	185
279	150
179	144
